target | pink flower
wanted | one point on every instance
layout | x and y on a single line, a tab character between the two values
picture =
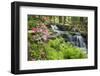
34	29
45	36
39	30
45	32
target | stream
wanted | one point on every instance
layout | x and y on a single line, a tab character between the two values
76	39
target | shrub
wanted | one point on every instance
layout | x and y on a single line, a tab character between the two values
52	53
72	52
56	49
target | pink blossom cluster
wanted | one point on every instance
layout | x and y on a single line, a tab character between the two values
43	31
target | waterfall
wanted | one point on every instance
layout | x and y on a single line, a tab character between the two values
76	39
56	29
79	41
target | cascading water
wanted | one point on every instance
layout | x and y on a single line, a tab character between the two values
76	39
56	29
79	41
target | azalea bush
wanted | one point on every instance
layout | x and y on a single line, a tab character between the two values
38	28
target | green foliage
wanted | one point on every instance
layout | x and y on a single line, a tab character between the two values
35	55
52	52
67	49
33	22
72	52
57	49
56	42
54	55
30	39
